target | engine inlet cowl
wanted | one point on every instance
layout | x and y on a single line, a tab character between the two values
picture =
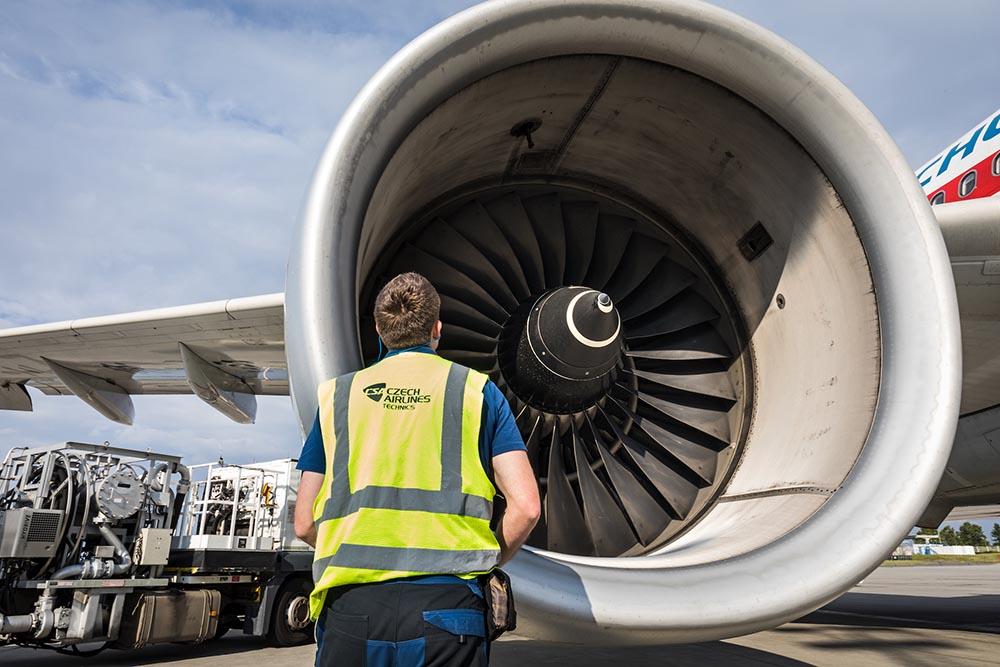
763	402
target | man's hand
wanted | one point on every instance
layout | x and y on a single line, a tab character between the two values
305	527
516	480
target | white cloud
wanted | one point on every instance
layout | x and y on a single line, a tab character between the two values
925	68
154	155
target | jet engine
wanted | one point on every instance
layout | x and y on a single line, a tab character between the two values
701	272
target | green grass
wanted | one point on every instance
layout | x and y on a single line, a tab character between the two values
978	559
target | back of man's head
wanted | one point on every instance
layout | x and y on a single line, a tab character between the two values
406	310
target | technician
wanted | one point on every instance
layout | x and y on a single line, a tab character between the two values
396	496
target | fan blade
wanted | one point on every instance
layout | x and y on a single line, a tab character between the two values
539	532
718	384
457	312
647	515
643	255
474	223
580	220
545	214
699	343
613	233
713	423
454	337
609	528
480	361
679	493
511	217
694	457
442	241
449	280
567	530
534	444
667	280
526	415
685	311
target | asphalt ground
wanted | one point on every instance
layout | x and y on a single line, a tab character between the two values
918	616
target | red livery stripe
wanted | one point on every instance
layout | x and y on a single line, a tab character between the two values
987	183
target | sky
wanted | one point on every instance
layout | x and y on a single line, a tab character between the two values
157	153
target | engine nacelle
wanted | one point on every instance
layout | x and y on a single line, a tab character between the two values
787	371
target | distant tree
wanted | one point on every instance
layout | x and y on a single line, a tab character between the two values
972	534
948	536
927	531
996	534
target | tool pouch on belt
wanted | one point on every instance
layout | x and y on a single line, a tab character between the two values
501	616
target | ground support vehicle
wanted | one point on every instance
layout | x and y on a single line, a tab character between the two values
108	547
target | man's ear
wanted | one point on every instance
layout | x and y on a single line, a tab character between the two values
436	330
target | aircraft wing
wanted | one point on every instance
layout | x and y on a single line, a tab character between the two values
973	513
226	352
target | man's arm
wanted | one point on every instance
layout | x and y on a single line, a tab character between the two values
516	480
305	527
312	463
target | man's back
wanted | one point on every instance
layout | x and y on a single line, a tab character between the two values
397	500
400	514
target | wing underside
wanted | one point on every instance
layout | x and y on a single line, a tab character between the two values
226	352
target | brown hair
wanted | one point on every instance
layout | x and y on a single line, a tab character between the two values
406	310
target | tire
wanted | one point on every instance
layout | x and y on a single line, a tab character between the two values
293	599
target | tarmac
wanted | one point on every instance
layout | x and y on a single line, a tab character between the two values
923	615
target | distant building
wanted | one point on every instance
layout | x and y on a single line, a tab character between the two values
929	544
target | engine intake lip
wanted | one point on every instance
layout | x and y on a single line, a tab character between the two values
915	416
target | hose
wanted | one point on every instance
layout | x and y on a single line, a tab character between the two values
67	511
182	488
12	625
85	468
120	550
154	477
96	568
68	572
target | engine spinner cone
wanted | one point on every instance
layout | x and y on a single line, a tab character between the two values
570	343
575	333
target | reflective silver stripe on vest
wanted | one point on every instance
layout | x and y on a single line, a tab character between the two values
449	500
422	500
451	430
408	559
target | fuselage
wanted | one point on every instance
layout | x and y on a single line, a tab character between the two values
968	168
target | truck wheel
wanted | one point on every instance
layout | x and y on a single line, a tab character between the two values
290	624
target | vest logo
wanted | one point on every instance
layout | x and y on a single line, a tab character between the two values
395	398
374	391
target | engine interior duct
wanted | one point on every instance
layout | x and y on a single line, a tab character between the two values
631	438
776	364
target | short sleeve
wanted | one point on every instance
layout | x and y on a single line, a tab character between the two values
313	457
503	434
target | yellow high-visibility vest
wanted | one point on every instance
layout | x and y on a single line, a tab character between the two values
405	492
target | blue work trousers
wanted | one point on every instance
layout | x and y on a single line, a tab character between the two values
425	622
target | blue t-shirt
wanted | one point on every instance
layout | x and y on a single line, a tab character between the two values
498	434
